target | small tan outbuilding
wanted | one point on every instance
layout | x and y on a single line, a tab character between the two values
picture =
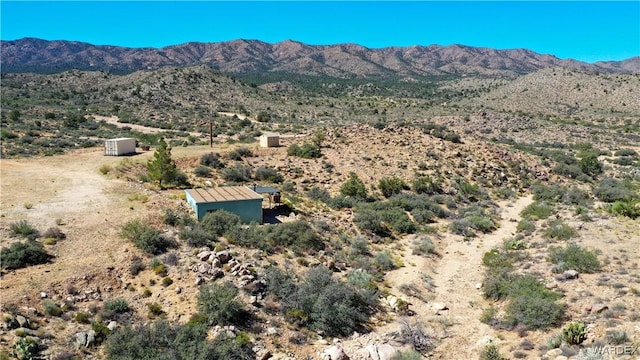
120	146
270	140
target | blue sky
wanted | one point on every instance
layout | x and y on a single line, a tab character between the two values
588	31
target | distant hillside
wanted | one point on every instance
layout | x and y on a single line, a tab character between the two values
245	56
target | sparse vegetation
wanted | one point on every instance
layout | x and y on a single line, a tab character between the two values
23	254
147	238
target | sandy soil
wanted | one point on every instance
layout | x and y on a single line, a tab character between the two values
456	276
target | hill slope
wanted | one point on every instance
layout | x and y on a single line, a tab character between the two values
242	56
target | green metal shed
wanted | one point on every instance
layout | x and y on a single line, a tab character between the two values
240	200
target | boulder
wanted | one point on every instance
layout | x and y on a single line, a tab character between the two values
335	352
85	338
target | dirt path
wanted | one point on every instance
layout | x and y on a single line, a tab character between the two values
113	120
455	277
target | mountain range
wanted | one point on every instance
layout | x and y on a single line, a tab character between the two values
247	56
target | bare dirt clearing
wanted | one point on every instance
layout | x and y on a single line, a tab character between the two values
68	192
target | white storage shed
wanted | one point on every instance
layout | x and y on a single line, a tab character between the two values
270	140
120	146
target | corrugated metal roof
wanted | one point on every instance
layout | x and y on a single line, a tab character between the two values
223	193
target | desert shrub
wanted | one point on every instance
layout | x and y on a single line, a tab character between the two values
316	193
202	171
163	340
574	257
136	266
118	306
491	352
575	333
51	308
526	226
171	217
423	245
82	318
54	233
559	230
166	281
469	192
370	220
147	238
407	355
326	304
489	316
239	153
297	235
398	220
624	161
212	160
342	202
478	219
384	261
26	348
24	229
611	190
532	305
461	227
354	187
590	165
219	222
197	236
626	152
570	171
154	310
391	185
306	151
496	259
628	207
269	174
427	185
239	173
219	303
617	337
537	211
23	254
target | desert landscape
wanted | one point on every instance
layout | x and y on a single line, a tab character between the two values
455	212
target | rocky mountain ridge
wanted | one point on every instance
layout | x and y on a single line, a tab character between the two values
246	56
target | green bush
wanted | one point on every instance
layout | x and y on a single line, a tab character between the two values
491	352
212	160
219	303
570	171
558	230
611	190
626	152
370	220
384	261
202	171
197	235
575	333
118	306
82	318
269	174
427	185
354	187
26	348
239	173
219	222
147	238
162	340
24	229
590	165
423	245
537	211
306	151
51	308
532	305
322	302
23	254
526	226
391	186
628	207
574	257
316	193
